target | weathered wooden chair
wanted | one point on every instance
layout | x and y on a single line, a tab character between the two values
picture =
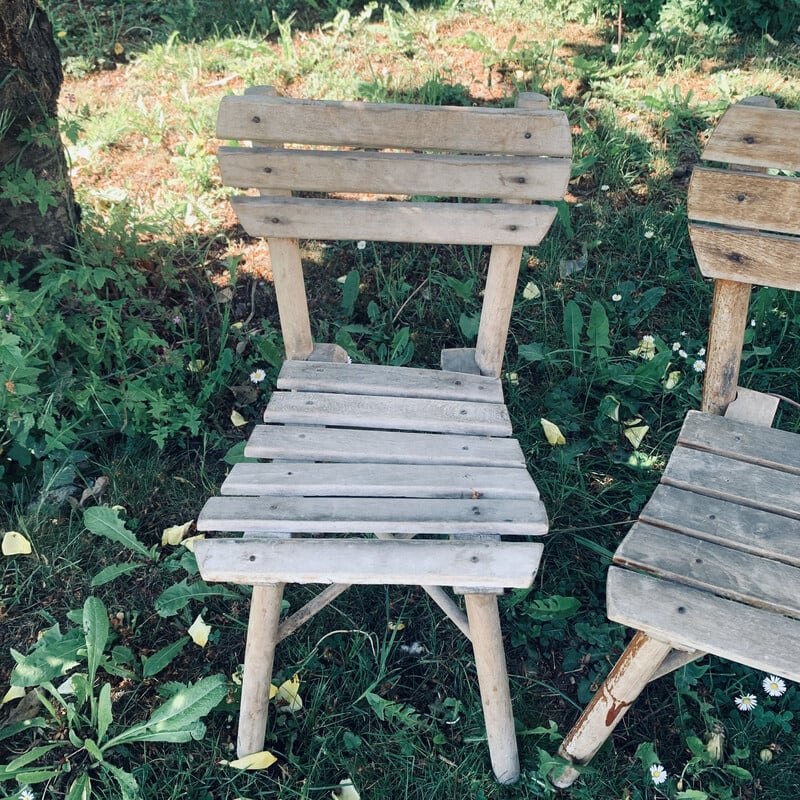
713	563
390	451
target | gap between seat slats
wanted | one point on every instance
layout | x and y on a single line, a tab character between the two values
395	381
379	480
345	515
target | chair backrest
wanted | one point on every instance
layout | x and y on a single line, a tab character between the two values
744	224
395	151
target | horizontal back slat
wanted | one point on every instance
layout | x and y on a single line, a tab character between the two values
431	223
750	257
757	137
280	120
516	177
745	200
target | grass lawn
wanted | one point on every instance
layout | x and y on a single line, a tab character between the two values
140	350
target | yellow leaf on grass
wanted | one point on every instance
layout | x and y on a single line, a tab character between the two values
199	631
531	291
237	419
288	693
15	544
346	791
189	542
260	760
175	534
673	379
552	432
635	432
273	690
14	693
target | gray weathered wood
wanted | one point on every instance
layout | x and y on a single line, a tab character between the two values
734	480
379	480
393	447
758	137
389	125
768	447
368	561
727	523
698	620
327	351
459	359
388	221
395	173
756	408
769	259
728	572
745	200
380	380
388	413
342	515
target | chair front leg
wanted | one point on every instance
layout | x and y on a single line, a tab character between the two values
624	684
259	653
490	663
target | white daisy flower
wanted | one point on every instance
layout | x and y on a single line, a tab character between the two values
616	297
649	234
747	702
774	686
257	376
658	773
605	187
699	365
683	354
26	793
361	244
676	346
701	351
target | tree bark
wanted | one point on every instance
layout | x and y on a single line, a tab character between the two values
37	204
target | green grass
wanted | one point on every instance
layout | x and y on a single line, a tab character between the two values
400	719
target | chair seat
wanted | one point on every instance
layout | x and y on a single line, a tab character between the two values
718	546
354	452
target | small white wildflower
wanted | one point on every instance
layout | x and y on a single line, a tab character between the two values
747	702
774	686
578	205
361	244
676	346
683	354
658	773
605	187
26	793
616	297
701	351
648	338
257	376
684	333
699	365
649	234
752	323
615	48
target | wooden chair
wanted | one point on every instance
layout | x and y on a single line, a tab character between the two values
713	563
391	451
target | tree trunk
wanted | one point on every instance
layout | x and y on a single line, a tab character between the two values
38	213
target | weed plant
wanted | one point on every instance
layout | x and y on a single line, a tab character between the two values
133	368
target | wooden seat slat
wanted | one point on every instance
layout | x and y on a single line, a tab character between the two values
282	120
316	443
692	618
388	413
747	256
369	561
379	480
758	444
727	523
507	177
343	515
757	137
429	223
378	380
761	582
745	200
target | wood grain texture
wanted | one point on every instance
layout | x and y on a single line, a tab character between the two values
368	561
506	177
388	413
757	137
697	620
745	200
393	447
765	259
748	529
390	125
756	408
388	221
724	571
379	480
345	515
371	379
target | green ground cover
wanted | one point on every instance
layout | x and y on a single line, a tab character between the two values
132	361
